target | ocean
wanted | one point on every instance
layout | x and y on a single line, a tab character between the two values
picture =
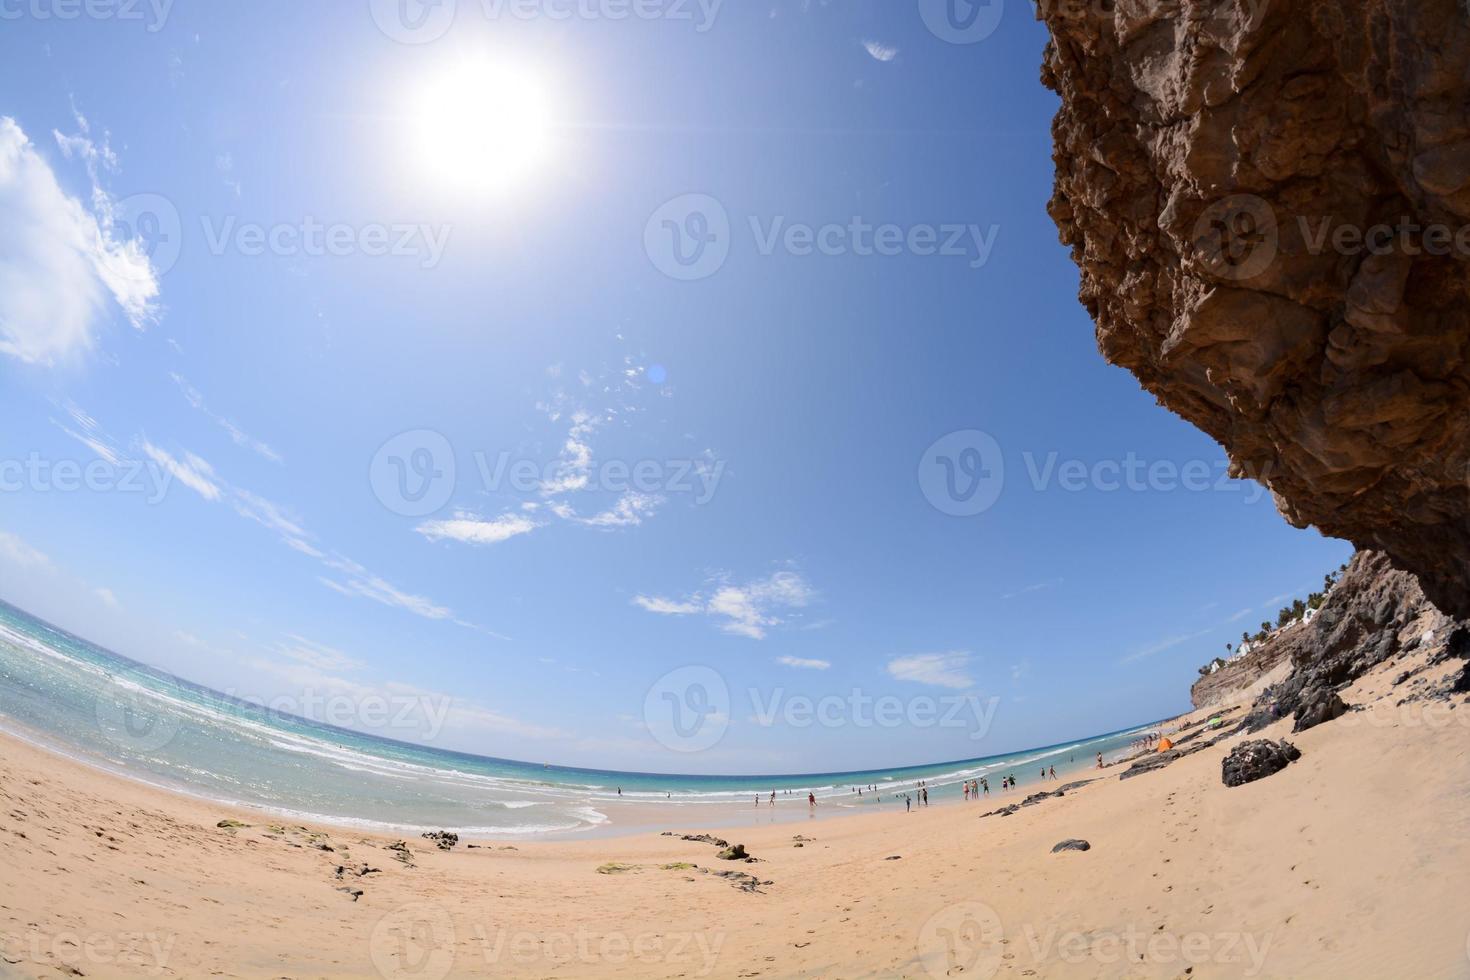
73	697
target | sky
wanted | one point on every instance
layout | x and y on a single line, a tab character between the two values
531	358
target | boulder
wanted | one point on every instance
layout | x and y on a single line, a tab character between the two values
1257	759
1071	845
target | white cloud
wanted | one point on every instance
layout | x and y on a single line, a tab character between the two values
880	51
363	583
192	471
89	434
241	438
629	511
470	529
16	552
59	260
317	655
574	467
107	596
746	610
938	669
803	663
669	607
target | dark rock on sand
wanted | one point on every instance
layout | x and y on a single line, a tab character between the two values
443	838
1038	797
356	893
1072	845
733	853
698	838
400	851
741	880
1004	811
1257	759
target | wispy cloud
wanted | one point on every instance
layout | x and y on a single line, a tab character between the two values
750	609
241	438
1037	587
470	529
108	597
89	434
630	510
880	51
802	663
62	262
669	607
937	669
15	551
189	469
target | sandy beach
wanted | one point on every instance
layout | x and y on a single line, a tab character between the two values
1347	863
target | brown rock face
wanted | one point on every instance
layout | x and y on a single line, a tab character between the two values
1269	202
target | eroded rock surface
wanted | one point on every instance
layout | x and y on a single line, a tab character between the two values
1246	187
1375	612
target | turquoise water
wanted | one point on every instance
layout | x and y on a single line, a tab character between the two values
74	697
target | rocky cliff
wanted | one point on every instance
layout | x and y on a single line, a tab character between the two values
1246	676
1268	201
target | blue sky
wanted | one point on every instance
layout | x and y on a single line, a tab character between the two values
271	272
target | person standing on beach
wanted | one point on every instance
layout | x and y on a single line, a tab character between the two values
908	804
773	798
811	799
1053	772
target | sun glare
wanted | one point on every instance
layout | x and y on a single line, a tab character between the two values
483	126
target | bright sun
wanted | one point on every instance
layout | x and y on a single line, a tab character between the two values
483	126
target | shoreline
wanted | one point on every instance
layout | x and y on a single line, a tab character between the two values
1343	864
633	817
